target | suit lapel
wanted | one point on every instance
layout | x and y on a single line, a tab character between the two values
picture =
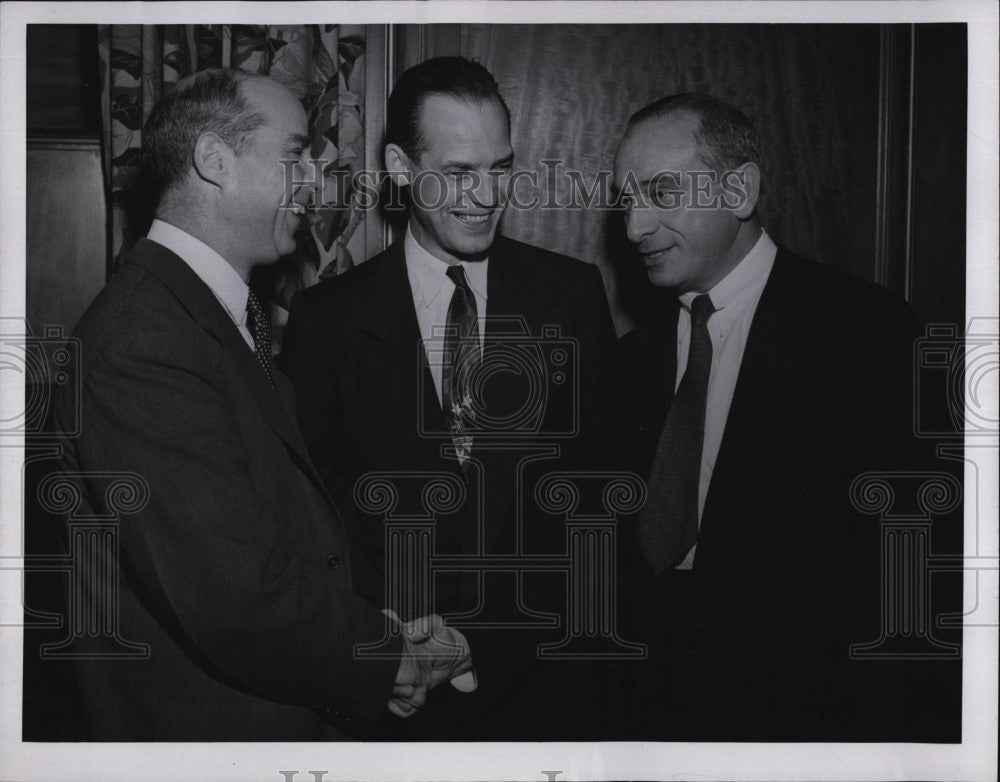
511	307
753	413
513	310
391	365
512	296
200	303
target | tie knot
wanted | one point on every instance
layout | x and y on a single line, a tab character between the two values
457	275
701	310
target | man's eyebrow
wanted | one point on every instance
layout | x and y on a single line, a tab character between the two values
664	177
462	165
298	138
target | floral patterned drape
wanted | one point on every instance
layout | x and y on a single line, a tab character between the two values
324	65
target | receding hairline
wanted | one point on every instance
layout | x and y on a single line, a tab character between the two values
179	119
667	114
472	101
648	124
254	105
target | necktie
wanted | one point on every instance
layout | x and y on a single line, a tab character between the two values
461	351
260	328
668	524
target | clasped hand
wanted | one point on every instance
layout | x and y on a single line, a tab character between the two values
432	654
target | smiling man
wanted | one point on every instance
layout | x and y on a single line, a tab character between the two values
752	398
236	575
401	365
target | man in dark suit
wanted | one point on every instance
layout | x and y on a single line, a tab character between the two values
759	389
438	355
236	574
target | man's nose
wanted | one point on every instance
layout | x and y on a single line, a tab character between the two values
309	181
488	189
639	223
303	182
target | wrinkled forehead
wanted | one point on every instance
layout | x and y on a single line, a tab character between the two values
454	127
275	101
660	144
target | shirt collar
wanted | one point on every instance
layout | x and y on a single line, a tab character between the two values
428	274
746	279
213	270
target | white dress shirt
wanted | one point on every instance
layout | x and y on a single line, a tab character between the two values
432	290
213	270
735	299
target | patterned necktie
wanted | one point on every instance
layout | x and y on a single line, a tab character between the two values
260	328
668	524
462	357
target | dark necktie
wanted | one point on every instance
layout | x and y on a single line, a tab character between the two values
260	328
668	524
461	352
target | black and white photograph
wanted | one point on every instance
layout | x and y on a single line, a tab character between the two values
499	390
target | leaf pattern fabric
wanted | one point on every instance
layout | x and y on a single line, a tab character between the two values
323	65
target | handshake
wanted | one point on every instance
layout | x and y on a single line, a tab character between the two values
432	653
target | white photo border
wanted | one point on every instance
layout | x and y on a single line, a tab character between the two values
973	759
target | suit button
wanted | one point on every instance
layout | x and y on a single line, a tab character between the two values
333	562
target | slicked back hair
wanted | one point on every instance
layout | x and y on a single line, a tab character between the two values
454	76
727	136
204	102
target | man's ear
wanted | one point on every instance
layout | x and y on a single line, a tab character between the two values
213	159
398	164
742	189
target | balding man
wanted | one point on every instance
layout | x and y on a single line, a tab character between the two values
236	575
752	398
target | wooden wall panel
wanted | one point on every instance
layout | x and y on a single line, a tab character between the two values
66	232
811	90
63	80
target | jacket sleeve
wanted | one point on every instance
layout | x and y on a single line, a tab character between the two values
224	545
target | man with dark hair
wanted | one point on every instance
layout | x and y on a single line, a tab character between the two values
409	364
456	77
235	576
752	398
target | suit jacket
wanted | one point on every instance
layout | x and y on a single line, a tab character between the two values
366	402
236	574
753	642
